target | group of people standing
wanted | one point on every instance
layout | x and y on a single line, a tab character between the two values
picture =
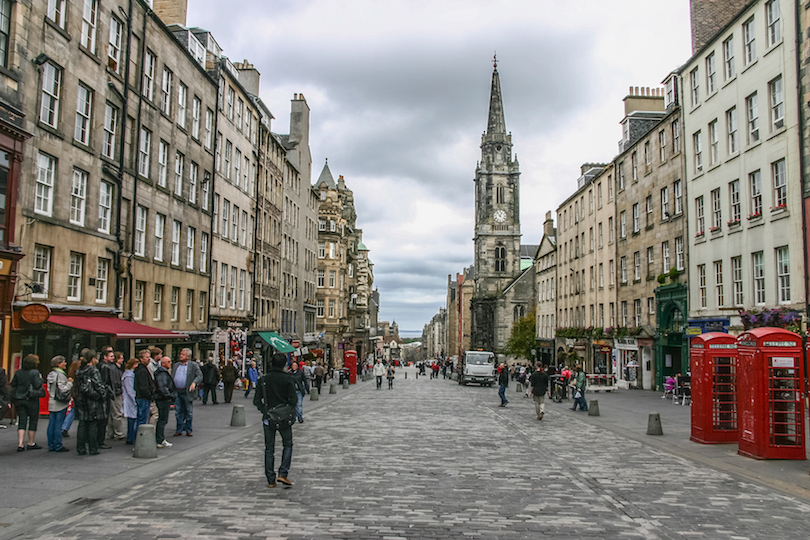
537	382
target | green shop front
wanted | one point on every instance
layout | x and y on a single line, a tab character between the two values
671	342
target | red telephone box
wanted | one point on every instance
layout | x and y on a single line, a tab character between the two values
770	408
714	388
350	362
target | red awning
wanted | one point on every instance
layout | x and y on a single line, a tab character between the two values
120	328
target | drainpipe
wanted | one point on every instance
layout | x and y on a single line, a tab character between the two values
804	199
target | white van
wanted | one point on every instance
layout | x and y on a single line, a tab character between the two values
477	367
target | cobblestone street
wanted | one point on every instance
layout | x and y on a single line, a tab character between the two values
431	459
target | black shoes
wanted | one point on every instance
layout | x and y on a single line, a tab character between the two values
104	447
65	433
34	446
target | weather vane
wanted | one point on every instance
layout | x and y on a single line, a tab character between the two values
495	60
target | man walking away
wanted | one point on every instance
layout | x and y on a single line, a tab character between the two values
229	376
503	382
276	388
187	377
165	395
539	387
379	373
210	381
319	372
252	377
580	384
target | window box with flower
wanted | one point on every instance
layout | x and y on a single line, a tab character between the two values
778	208
755	215
716	229
699	234
733	223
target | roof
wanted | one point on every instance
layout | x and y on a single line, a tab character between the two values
528	251
326	176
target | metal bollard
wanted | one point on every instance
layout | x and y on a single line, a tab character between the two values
314	395
654	424
332	389
593	408
406	374
238	416
145	444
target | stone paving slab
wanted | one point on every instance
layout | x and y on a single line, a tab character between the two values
434	460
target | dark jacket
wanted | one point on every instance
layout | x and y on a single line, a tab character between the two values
300	381
229	374
539	382
210	373
22	380
165	388
144	384
503	378
274	388
111	375
91	394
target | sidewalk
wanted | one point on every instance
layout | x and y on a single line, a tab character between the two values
42	481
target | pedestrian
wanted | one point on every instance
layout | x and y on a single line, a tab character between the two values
503	382
155	353
252	377
26	387
71	373
273	389
229	376
435	370
105	369
539	386
390	375
379	371
319	373
301	388
59	389
5	405
115	421
187	377
129	409
144	388
210	381
580	382
165	395
91	397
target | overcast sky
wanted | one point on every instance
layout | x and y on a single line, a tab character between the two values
399	93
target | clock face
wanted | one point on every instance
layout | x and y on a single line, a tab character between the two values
500	216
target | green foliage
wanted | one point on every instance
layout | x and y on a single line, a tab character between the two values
662	278
522	340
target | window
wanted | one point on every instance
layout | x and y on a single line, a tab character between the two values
737	280
175	308
636	221
755	182
242	275
41	274
189	304
651	307
783	274
650	260
717	218
227	164
140	231
240	105
104	206
500	259
749	45
601	275
728	58
78	197
694	78
777	104
229	104
182	104
202	305
676	136
46	169
610	230
243	228
51	86
637	266
75	267
143	152
634	166
84	108
612	272
779	184
321	250
752	118
731	126
236	164
102	277
179	169
232	290
235	224
714	144
679	258
711	75
601	238
665	256
148	85
698	150
320	308
190	240
209	126
166	92
624	313
331	309
774	22
89	15
677	188
223	284
321	278
662	145
160	227
176	231
637	312
137	308
157	311
699	219
623	266
163	162
622	225
718	283
665	203
110	126
758	267
192	183
114	48
621	176
56	12
204	252
206	190
196	106
5	31
702	285
610	188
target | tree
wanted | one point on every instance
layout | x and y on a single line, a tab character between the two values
523	339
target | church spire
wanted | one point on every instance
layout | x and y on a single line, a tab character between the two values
496	124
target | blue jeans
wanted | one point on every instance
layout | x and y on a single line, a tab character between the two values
250	386
183	412
131	430
502	394
269	451
299	407
580	401
142	406
69	419
55	421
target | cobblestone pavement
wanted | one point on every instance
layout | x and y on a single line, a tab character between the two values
434	460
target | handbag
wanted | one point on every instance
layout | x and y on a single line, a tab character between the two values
58	395
281	415
578	394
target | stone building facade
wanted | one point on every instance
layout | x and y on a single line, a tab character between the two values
546	287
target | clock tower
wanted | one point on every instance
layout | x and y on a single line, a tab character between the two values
497	220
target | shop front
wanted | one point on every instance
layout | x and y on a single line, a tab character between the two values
602	357
626	362
545	351
671	342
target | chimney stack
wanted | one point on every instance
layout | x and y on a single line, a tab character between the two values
711	16
171	11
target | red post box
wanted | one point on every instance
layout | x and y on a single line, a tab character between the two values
350	362
714	388
770	408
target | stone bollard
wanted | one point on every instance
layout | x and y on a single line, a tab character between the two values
345	384
238	416
519	388
314	395
145	444
332	389
406	374
654	424
593	408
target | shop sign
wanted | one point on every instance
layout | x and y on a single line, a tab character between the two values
779	362
779	344
708	325
295	343
35	313
604	349
722	345
694	331
626	343
5	266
